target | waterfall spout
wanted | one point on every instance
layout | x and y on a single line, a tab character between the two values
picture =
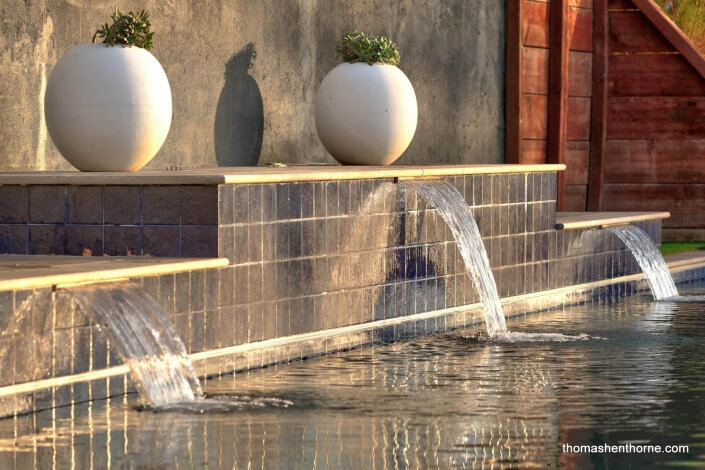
457	214
650	260
146	339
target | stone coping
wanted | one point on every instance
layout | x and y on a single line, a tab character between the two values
576	220
686	258
258	174
37	271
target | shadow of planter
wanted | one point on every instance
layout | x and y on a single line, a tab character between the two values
239	116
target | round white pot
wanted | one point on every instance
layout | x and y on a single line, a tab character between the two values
108	108
366	114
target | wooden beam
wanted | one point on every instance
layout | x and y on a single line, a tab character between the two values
673	33
513	85
558	88
600	85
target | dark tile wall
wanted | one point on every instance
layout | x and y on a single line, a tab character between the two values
109	220
321	255
315	255
305	257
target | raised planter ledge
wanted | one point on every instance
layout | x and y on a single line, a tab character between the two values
39	271
581	220
245	175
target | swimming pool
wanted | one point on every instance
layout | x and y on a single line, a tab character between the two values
434	402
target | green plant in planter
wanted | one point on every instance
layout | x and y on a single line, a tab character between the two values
362	47
131	29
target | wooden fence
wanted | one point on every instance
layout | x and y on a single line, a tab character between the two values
613	89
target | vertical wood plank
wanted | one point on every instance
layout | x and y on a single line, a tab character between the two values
535	29
598	124
512	148
558	88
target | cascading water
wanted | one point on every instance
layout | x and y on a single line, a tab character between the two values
650	260
146	339
457	214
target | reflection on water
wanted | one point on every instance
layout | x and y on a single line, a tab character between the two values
435	402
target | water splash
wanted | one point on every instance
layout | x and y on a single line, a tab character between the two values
457	214
146	339
684	299
516	337
224	404
650	260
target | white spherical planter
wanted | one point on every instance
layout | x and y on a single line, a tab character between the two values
366	114
108	108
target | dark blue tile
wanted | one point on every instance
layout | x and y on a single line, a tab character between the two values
255	243
269	206
85	204
166	293
255	212
344	197
199	205
282	201
47	204
254	283
225	204
240	251
269	320
199	241
282	318
46	239
226	286
241	203
240	285
308	238
295	210
211	289
332	198
319	200
14	204
307	200
269	281
182	292
255	322
160	205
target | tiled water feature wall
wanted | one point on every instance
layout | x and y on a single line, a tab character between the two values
305	257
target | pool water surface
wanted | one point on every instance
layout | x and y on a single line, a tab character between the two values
634	373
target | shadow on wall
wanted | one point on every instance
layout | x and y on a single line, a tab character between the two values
239	117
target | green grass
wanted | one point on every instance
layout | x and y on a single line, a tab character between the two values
689	15
669	248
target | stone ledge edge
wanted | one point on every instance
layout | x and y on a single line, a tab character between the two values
253	175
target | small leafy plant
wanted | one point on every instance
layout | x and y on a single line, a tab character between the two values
356	46
130	29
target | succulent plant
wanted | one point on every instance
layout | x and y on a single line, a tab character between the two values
129	29
356	46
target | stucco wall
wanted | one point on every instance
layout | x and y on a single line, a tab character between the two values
244	74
